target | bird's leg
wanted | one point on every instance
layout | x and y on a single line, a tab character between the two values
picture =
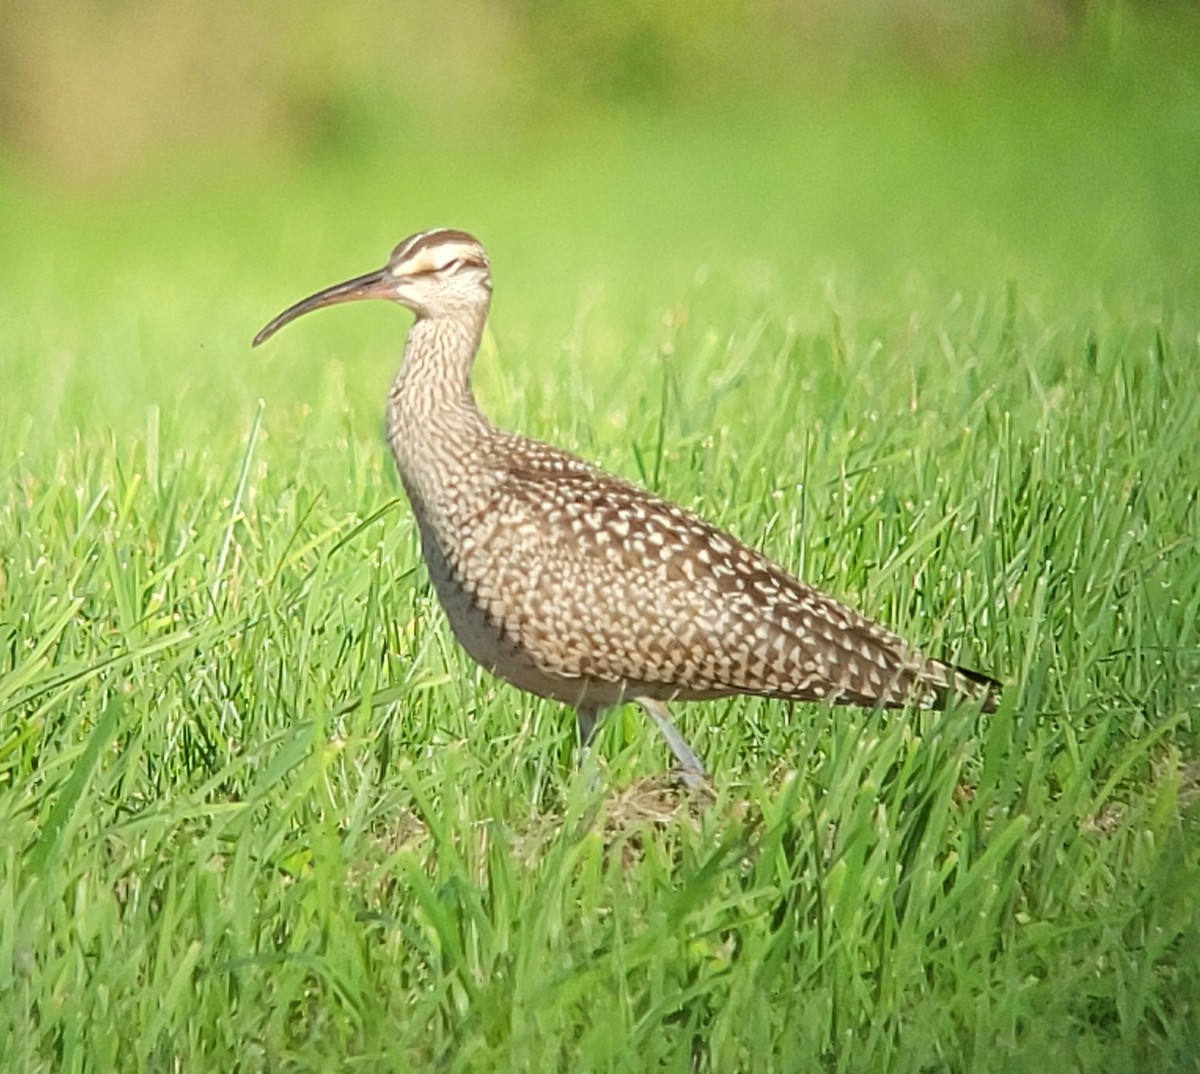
587	729
692	774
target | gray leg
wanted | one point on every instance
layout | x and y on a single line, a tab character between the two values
587	731
587	726
693	773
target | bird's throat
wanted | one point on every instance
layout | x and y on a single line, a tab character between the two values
432	416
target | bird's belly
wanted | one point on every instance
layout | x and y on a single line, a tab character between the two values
493	645
499	649
485	640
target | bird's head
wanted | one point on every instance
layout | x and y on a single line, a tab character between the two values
441	273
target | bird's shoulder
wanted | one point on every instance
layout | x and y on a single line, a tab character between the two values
560	483
573	500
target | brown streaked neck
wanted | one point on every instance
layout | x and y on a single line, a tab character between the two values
438	357
432	416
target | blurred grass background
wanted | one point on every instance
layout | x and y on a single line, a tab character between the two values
905	292
902	153
96	89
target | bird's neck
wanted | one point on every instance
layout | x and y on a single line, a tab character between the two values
431	411
438	356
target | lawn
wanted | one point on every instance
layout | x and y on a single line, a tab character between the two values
937	353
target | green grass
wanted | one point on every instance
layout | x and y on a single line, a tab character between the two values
257	812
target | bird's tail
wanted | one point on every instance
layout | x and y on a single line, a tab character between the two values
950	681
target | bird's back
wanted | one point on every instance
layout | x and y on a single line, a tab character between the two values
584	587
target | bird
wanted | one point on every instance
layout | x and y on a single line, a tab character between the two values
579	586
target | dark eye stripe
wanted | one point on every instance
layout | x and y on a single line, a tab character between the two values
466	261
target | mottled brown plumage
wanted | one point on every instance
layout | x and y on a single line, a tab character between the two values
576	585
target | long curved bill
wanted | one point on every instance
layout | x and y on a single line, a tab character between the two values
377	284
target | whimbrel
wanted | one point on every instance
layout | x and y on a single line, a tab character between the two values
576	585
